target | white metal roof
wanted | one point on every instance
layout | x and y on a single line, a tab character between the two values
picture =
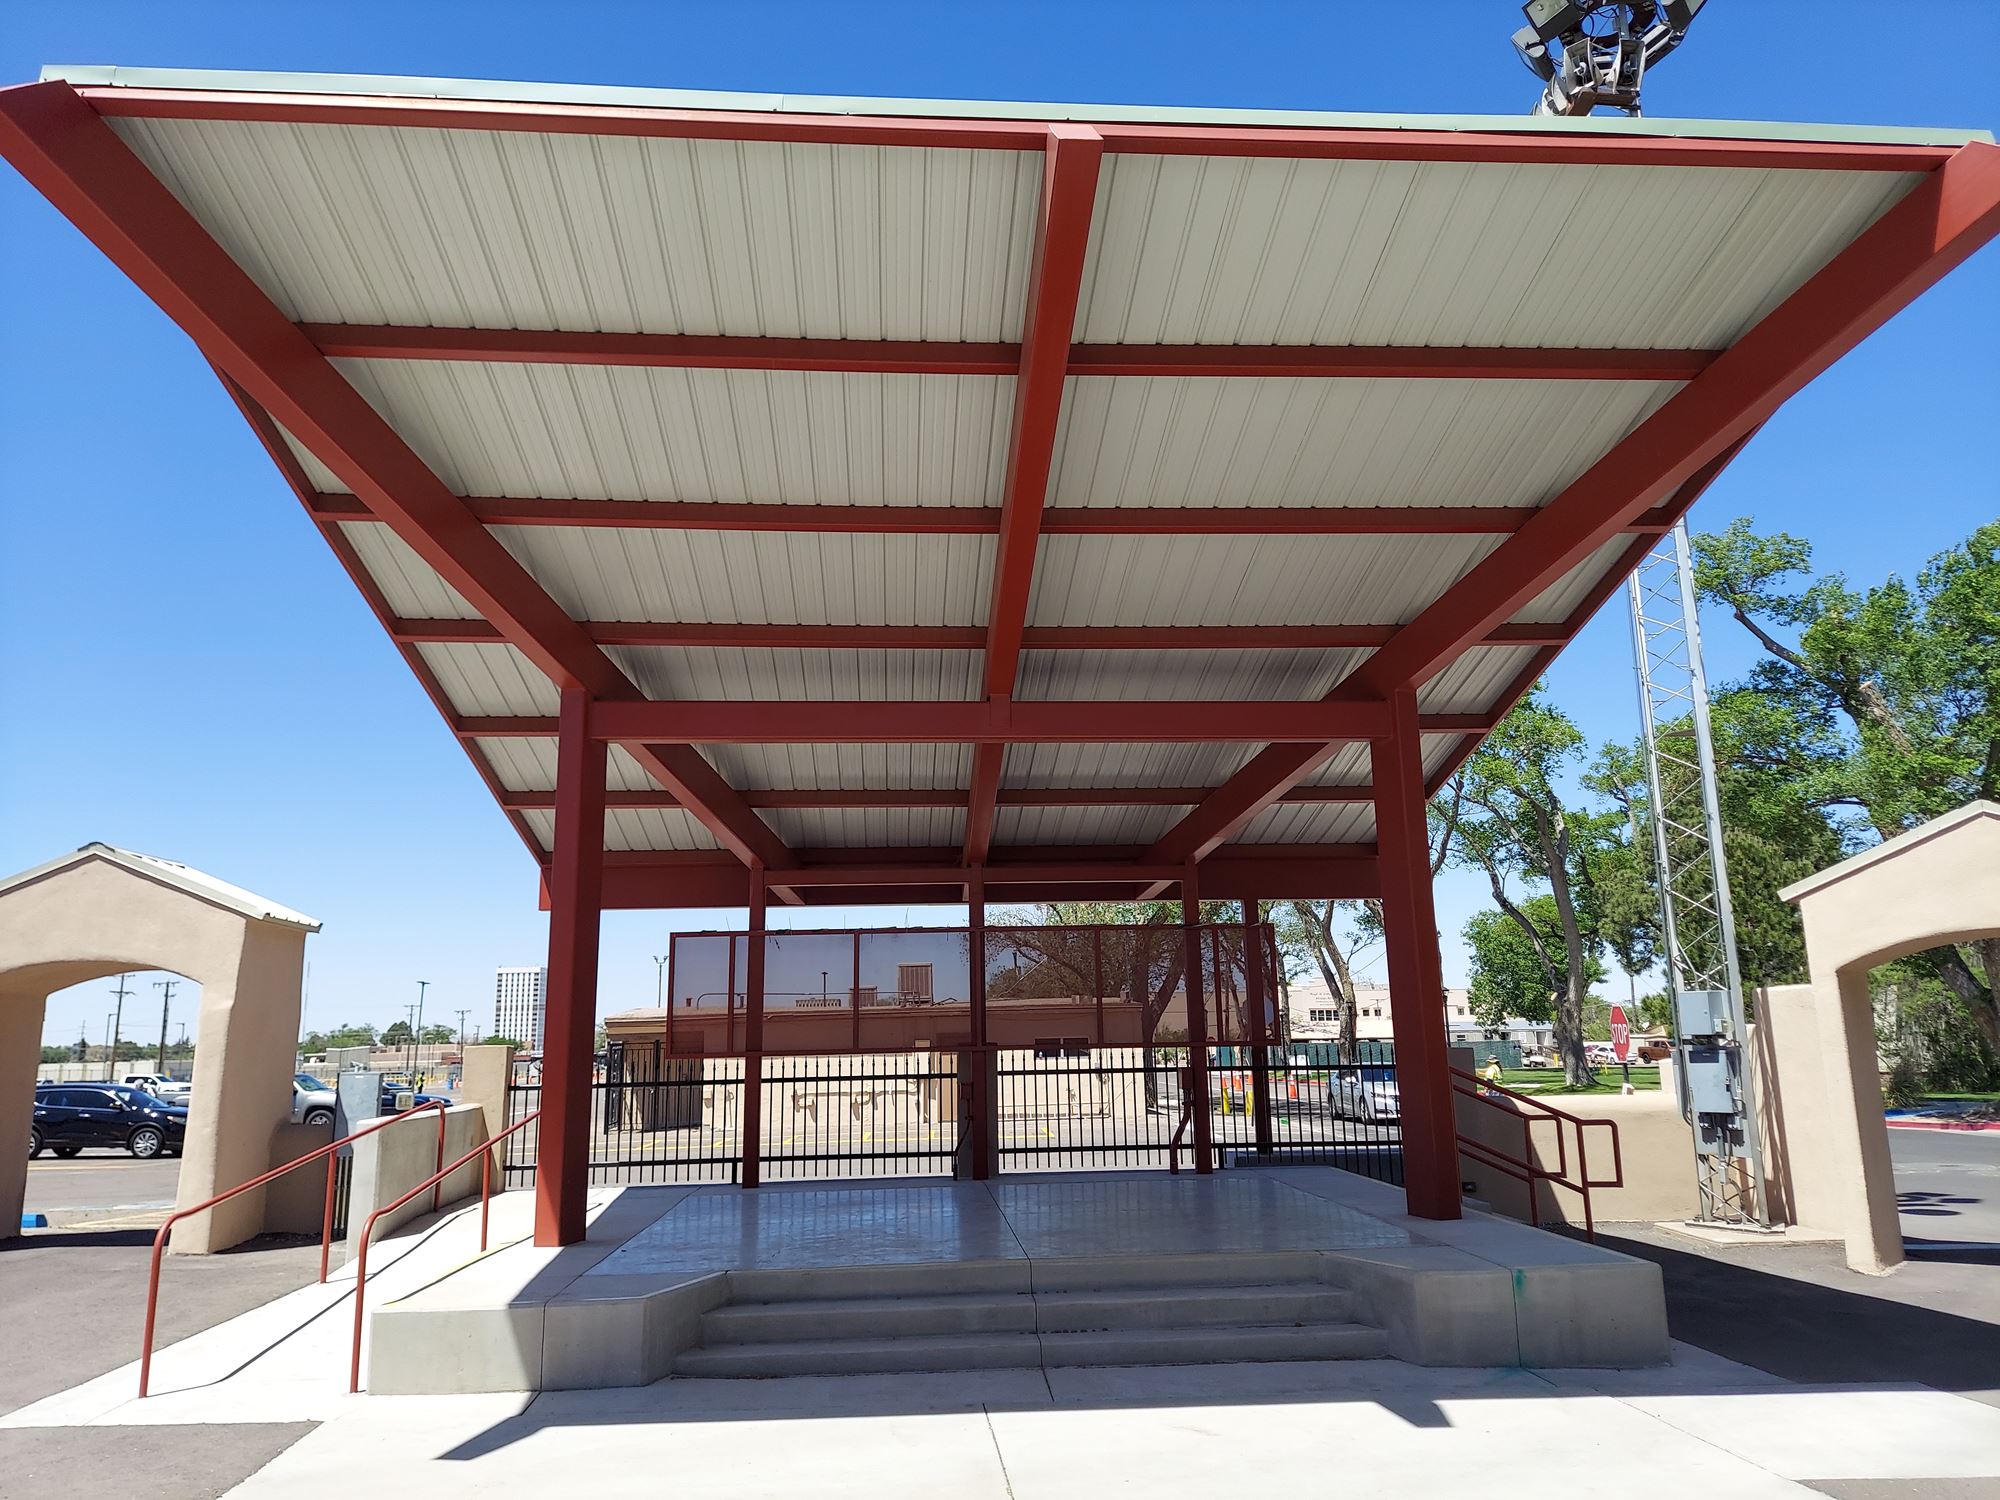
182	877
571	231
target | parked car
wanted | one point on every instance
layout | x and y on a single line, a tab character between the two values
71	1116
313	1100
1651	1049
1365	1094
173	1090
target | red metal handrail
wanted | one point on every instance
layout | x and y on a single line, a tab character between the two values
326	1220
1525	1168
484	1150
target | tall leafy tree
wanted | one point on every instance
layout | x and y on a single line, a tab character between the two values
1519	825
1893	694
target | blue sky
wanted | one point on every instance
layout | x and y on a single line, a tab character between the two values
184	669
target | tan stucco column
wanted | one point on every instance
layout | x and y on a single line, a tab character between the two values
243	1091
21	1008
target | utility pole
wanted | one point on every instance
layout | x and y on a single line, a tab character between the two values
118	1022
416	1030
464	1011
166	986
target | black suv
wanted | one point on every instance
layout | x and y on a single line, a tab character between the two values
70	1116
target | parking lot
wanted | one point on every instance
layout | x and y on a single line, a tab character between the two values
102	1188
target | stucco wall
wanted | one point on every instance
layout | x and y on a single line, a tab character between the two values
1656	1149
390	1162
296	1202
96	918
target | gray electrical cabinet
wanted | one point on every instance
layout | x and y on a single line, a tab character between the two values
1701	1013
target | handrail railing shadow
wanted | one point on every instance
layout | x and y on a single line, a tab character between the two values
1527	1168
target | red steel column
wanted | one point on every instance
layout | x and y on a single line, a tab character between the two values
1197	1021
576	884
1260	1031
982	1080
1416	975
753	1036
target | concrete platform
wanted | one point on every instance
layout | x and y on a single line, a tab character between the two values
1306	1263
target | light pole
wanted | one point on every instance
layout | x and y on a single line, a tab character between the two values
118	1021
416	1030
166	987
659	980
182	1042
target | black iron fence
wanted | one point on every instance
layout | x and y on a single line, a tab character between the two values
1061	1106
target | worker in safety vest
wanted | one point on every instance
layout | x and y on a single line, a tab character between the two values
1491	1072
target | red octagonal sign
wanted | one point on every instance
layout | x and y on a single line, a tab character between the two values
1621	1034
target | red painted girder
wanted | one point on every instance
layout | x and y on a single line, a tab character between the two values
681	351
984	520
1055	280
944	858
71	156
970	637
1527	144
1935	227
847	797
902	721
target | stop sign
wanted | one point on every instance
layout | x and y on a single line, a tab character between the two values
1621	1034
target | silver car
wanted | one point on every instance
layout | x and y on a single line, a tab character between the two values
1368	1094
312	1101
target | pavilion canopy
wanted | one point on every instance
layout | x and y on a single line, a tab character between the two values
949	486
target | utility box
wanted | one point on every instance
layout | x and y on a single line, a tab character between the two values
1701	1013
356	1097
1711	1081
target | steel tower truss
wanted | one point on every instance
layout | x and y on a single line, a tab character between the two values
1712	1072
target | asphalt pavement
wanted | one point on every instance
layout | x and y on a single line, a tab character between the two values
1947	1187
102	1188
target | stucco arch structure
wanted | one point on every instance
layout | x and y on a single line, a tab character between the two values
101	911
1934	885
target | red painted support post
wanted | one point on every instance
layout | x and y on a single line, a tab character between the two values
982	1079
1416	975
1255	984
576	881
1197	1023
753	1037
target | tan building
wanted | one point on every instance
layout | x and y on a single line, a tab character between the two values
1312	1016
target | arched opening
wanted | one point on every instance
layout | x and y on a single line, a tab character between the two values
101	912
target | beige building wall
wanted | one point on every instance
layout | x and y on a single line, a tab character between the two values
104	911
1933	885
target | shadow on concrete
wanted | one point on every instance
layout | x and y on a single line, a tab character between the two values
1804	1330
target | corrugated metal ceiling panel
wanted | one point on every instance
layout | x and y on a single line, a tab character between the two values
1563	598
1082	825
788	768
1449	254
1257	580
745	436
1439	748
759	577
490	679
1347	766
870	828
791	675
1122	765
634	828
1112	675
1475	681
504	229
529	765
1214	440
411	586
1310	823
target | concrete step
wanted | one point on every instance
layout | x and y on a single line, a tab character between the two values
1147	1346
1193	1307
868	1318
1014	1312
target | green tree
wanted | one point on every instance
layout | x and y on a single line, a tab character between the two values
1892	694
497	1040
56	1054
351	1036
1517	824
397	1035
1515	974
437	1036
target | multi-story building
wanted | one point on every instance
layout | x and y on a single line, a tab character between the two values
520	1005
1313	1016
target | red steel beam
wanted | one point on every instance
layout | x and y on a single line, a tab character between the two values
1523	144
951	797
985	520
1002	721
914	357
971	637
1934	228
72	157
1055	281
